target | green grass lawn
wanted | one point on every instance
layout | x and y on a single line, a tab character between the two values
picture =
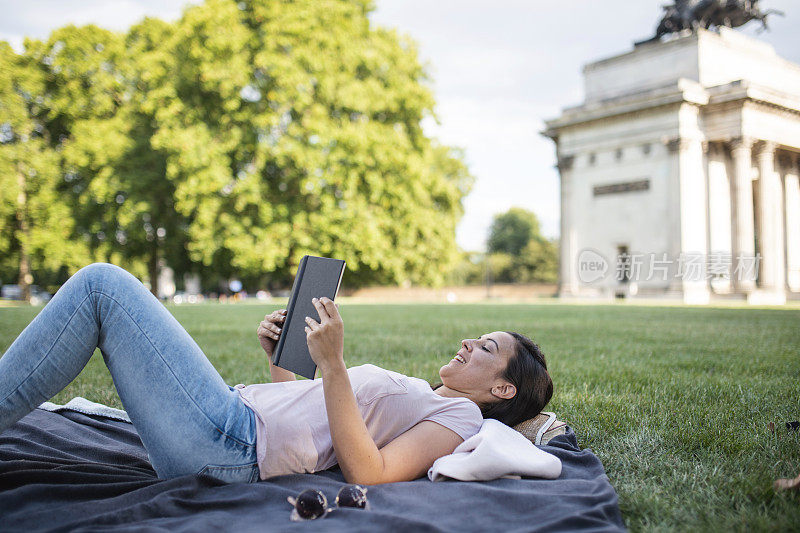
674	400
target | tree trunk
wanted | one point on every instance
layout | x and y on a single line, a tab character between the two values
293	264
488	275
152	265
25	277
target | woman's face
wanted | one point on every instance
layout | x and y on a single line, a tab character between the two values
485	358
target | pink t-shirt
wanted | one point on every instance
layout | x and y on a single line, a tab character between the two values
293	435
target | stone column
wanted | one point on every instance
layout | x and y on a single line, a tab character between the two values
719	220
742	210
673	222
770	216
692	188
567	280
792	203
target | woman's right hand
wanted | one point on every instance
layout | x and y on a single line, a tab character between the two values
269	330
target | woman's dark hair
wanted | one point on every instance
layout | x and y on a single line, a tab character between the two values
527	370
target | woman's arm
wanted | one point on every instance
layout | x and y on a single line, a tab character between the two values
279	374
357	454
410	455
407	457
268	332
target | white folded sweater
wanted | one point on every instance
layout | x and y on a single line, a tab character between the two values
496	451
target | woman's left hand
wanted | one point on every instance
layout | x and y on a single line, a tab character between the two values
325	339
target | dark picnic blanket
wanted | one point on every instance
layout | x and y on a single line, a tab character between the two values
68	471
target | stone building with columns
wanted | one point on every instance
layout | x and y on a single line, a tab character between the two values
679	173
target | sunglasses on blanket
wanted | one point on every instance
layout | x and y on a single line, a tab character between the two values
311	504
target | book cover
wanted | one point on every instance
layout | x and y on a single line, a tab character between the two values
317	277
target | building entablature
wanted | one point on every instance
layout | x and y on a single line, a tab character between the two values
685	91
742	90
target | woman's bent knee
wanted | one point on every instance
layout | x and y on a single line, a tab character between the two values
95	270
103	277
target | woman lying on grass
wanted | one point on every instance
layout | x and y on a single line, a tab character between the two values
379	426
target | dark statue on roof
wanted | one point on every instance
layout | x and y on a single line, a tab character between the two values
692	14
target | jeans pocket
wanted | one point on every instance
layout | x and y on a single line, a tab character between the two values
232	474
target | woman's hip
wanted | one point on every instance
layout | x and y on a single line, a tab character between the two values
223	449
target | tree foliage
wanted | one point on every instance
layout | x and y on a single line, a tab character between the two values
518	252
314	119
234	141
511	231
36	223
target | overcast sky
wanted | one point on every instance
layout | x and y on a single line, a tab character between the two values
498	68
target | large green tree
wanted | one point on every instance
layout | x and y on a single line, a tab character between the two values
236	140
293	128
122	201
36	222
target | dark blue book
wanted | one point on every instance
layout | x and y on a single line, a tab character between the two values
317	277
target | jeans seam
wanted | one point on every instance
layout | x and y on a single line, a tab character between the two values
230	467
255	474
170	368
77	307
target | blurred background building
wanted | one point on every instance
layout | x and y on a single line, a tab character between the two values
679	172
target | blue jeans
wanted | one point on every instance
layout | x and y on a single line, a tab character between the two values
190	421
